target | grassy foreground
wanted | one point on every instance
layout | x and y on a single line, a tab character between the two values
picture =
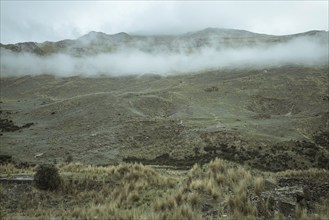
217	190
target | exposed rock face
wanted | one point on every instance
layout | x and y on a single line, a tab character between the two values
293	193
27	47
284	199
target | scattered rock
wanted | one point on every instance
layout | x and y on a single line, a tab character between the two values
284	199
38	155
209	211
290	193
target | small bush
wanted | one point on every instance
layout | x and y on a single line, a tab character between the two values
47	178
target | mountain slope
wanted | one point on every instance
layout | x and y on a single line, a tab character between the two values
98	42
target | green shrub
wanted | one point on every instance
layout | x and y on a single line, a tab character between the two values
47	178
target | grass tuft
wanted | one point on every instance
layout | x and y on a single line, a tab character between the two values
135	191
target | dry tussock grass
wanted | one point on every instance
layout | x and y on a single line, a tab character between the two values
259	185
135	191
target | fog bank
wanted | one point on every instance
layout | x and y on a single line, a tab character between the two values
133	61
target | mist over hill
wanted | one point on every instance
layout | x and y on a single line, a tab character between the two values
233	105
123	54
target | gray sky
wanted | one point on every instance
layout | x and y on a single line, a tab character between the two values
56	20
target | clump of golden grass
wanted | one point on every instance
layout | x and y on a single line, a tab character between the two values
220	183
225	184
259	185
135	191
124	187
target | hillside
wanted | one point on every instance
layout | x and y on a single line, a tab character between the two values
104	120
228	141
98	42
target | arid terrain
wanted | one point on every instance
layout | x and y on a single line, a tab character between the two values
267	125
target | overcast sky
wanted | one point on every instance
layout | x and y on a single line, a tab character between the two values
56	20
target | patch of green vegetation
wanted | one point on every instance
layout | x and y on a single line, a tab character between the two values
47	178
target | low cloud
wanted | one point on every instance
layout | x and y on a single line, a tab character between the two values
40	21
133	61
